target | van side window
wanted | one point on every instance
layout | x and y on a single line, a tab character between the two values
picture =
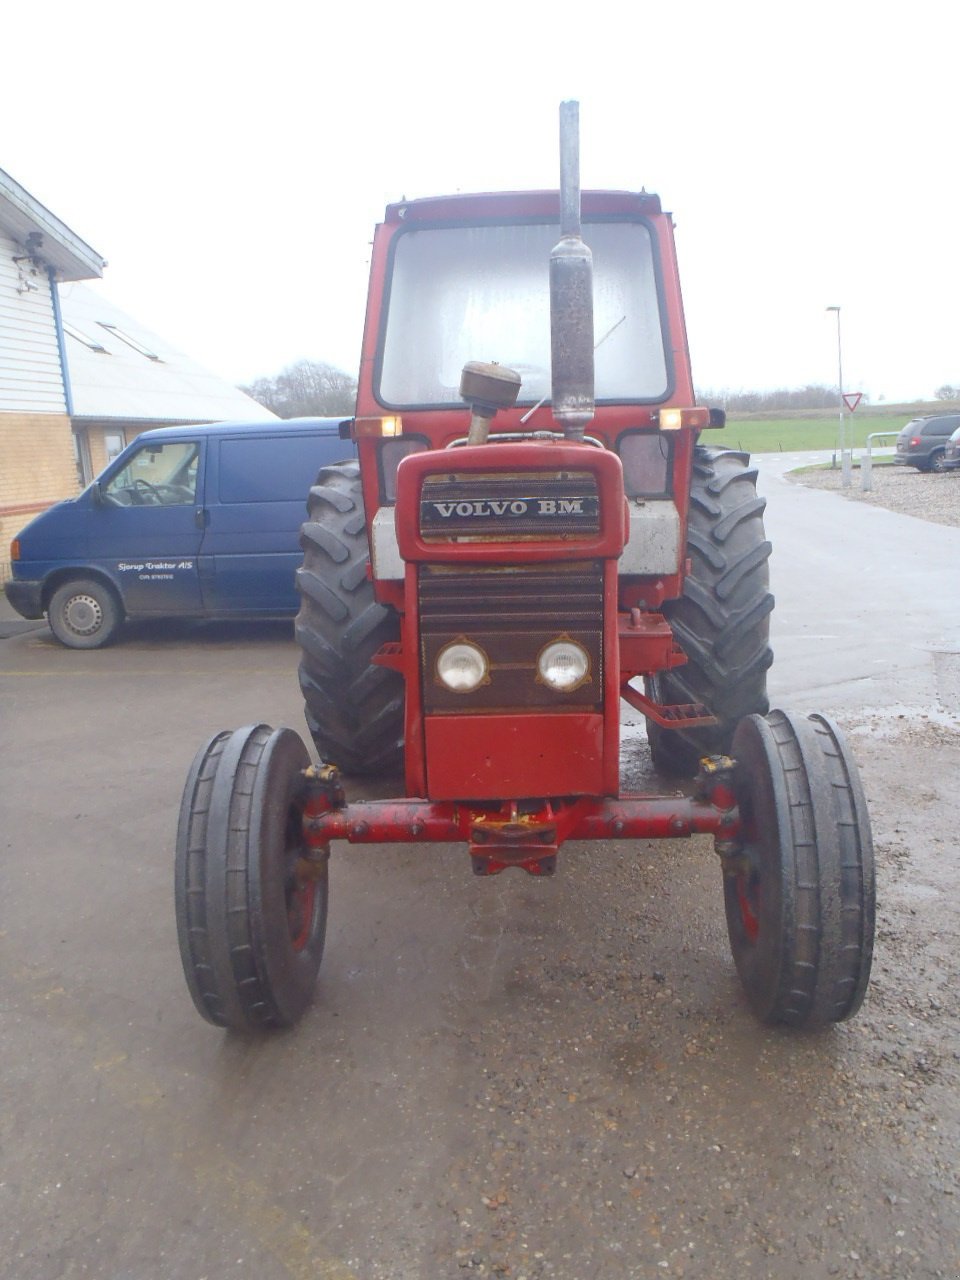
158	475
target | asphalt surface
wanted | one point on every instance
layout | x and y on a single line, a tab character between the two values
501	1077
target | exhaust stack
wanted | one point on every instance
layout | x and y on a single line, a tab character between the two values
571	293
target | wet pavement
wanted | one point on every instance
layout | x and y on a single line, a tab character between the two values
510	1077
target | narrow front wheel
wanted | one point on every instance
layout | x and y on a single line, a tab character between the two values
799	895
251	902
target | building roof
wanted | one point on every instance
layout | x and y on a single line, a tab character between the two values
45	237
120	370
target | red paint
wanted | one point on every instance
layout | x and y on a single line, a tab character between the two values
512	459
493	757
513	754
611	683
440	426
403	821
300	912
27	508
646	645
748	914
414	754
691	714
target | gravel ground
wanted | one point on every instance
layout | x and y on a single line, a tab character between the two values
902	489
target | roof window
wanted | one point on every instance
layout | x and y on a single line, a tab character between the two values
92	343
131	342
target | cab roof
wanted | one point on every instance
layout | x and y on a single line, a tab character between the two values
500	206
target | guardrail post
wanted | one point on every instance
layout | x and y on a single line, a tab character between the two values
866	460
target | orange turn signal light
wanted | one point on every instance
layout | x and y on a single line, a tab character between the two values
380	428
15	549
674	419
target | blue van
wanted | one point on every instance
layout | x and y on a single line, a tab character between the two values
187	522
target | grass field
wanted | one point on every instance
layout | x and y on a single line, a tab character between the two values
789	435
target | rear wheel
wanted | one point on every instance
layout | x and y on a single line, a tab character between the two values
84	614
936	461
800	897
251	903
354	710
722	620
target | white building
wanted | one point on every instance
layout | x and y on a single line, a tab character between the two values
37	252
79	379
124	379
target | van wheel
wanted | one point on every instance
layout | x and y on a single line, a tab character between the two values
936	462
84	614
354	709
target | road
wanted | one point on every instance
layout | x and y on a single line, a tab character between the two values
508	1077
868	606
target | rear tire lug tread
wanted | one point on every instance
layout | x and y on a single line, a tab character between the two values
353	709
722	621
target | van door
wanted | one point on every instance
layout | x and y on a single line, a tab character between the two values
257	487
146	529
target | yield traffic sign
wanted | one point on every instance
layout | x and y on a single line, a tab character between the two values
852	399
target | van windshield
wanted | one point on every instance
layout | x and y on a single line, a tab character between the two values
483	293
156	475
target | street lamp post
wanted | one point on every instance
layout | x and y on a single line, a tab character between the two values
845	461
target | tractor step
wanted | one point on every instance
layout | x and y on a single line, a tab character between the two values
681	715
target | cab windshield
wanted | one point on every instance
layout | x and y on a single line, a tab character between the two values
483	293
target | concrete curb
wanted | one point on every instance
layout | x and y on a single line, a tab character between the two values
11	624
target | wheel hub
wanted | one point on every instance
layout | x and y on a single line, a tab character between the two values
748	899
300	899
83	615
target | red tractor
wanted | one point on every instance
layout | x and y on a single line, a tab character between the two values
533	534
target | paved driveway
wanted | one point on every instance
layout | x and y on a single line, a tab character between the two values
506	1077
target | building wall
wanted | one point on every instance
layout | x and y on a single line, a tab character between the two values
96	437
37	468
37	461
31	379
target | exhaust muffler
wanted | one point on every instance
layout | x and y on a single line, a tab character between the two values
571	293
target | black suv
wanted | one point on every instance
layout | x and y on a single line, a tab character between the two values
921	443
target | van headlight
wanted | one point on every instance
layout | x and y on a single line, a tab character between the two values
462	667
563	665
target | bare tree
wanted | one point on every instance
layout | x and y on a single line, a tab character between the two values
308	388
947	392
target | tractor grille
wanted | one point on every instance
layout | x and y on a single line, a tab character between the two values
511	612
496	507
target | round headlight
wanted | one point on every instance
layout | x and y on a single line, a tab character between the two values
564	665
462	666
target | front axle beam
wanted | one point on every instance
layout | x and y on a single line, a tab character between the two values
513	834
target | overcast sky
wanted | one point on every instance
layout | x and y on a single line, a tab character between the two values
230	161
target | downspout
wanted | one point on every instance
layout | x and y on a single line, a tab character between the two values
61	343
